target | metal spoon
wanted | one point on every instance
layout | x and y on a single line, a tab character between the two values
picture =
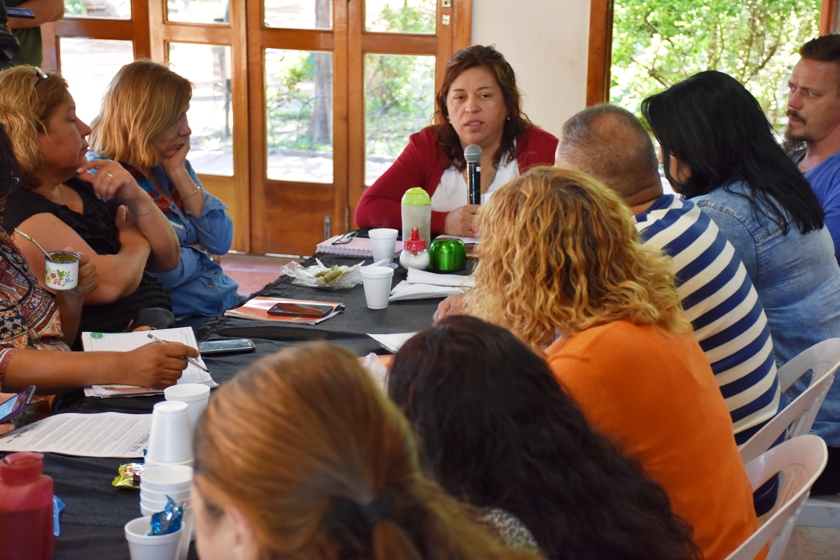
35	242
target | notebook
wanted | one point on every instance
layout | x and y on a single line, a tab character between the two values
357	247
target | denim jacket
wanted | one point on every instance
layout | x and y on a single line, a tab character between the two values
198	286
797	279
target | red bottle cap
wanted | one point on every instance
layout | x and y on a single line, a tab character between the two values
21	468
416	243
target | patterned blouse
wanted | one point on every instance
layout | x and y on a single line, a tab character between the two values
507	527
28	314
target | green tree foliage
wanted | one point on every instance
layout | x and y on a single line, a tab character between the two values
657	43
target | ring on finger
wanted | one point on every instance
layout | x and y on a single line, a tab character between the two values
109	175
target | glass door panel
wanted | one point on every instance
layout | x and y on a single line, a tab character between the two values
88	81
403	16
399	101
198	11
299	115
210	115
298	14
115	9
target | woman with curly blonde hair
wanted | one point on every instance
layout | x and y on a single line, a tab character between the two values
303	456
560	260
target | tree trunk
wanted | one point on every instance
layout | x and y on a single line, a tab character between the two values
320	126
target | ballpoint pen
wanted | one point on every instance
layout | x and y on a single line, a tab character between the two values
193	361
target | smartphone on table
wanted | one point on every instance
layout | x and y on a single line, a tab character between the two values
229	346
307	310
17	404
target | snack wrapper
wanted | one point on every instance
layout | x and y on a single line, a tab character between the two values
167	521
324	277
129	476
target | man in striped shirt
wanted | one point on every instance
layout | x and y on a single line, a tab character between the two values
718	297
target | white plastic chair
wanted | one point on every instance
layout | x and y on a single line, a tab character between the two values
800	461
797	418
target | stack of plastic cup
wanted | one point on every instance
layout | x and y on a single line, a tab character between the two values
195	395
157	484
170	437
156	547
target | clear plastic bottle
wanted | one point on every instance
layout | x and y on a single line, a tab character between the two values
417	213
414	254
26	508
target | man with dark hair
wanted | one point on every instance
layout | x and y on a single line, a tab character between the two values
814	124
613	146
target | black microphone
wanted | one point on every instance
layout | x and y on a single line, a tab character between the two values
472	154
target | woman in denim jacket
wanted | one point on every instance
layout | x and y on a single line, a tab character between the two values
719	150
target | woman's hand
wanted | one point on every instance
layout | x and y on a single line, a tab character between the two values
460	221
176	161
88	276
112	181
453	305
157	366
6	428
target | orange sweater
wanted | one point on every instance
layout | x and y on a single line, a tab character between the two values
654	396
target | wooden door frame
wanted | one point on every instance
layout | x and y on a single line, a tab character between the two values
600	44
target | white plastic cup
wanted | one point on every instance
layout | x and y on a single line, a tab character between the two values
383	241
179	496
195	395
62	275
166	478
158	547
377	282
170	437
187	528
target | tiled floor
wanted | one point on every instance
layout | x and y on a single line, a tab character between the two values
813	543
252	272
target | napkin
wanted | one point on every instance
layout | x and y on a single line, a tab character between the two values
405	291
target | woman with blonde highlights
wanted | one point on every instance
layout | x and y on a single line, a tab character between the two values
95	207
560	259
302	456
571	245
143	125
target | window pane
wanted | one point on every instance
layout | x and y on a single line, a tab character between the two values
211	114
88	81
299	118
400	16
399	100
198	11
298	14
120	9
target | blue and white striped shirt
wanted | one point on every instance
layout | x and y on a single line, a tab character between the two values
720	301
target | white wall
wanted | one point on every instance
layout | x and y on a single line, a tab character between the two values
546	42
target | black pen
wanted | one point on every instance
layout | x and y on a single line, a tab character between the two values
193	361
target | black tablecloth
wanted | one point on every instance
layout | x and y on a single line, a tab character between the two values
95	513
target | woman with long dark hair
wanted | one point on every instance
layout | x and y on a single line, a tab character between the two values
720	151
499	433
478	103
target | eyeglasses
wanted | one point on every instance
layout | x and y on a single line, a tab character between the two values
39	75
346	238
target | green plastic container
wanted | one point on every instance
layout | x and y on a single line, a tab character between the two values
447	255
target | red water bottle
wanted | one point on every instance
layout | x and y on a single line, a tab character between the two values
26	508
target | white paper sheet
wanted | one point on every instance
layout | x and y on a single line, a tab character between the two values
109	434
391	342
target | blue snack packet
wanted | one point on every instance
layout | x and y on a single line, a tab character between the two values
167	521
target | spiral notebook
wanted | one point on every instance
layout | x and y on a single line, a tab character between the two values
357	247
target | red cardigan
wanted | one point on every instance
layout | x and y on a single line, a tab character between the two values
421	165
